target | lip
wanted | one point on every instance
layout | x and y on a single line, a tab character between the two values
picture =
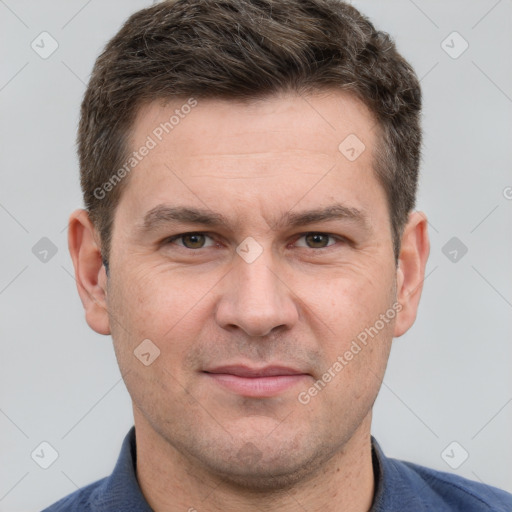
256	382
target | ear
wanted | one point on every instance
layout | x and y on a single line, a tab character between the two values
90	275
414	251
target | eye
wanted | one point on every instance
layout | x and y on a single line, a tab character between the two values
190	240
317	240
199	240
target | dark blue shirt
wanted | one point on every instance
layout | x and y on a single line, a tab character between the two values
400	487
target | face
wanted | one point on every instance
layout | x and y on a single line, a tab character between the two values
255	255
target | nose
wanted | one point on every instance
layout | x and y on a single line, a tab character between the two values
256	298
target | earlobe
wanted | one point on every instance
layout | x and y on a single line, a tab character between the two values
414	251
90	273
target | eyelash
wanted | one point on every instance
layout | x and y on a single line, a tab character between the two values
171	239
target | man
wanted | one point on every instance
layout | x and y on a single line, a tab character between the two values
249	170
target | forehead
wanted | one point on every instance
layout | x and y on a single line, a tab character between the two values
203	152
303	122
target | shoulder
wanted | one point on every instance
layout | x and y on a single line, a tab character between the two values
118	492
452	492
402	485
82	500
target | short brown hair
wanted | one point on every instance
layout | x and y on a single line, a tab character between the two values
247	49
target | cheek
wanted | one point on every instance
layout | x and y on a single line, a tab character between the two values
349	303
164	307
153	307
357	323
158	300
355	368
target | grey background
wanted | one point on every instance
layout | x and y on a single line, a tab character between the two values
448	379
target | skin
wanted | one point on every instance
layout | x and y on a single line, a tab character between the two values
300	304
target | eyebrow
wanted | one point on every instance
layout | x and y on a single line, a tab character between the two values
163	214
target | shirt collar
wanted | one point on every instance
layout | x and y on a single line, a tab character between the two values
121	491
396	486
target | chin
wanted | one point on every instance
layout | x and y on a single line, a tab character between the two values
267	466
276	475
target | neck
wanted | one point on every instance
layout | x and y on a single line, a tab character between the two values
173	481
